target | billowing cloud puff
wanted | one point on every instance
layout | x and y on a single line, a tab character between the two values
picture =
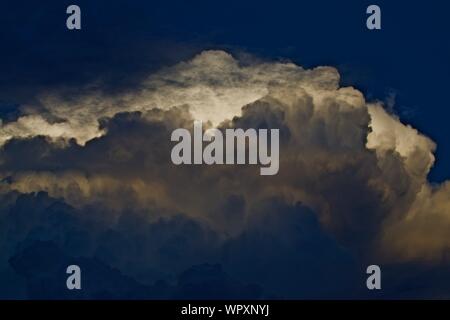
213	84
351	189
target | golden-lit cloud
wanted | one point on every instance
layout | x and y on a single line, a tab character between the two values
356	166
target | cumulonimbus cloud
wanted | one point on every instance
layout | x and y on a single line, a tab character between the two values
358	168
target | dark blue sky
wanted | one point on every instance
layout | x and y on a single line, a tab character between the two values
124	40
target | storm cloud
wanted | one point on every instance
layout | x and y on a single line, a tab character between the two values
86	176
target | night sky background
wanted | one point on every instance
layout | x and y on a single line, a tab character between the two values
233	244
